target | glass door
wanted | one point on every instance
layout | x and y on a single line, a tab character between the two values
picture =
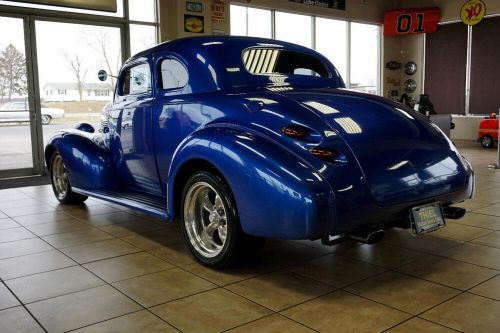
69	57
16	151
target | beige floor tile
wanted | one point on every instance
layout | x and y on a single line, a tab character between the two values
448	272
480	220
475	254
489	210
490	288
64	313
279	290
161	287
225	276
429	243
13	196
336	270
460	232
403	292
74	238
216	310
467	313
27	202
272	324
126	267
109	218
156	239
99	250
16	320
280	254
141	321
329	248
28	210
14	234
7	300
85	212
419	325
491	239
177	254
36	287
7	223
131	228
344	312
382	254
33	263
58	227
49	217
23	247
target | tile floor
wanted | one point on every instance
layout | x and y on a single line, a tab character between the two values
103	268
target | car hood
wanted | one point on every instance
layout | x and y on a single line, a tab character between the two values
402	155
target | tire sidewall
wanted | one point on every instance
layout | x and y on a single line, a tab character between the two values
233	226
490	139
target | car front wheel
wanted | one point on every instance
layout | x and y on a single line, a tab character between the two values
46	119
211	225
60	182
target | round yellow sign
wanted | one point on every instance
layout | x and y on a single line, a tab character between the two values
472	12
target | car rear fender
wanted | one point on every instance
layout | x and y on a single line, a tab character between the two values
276	193
86	159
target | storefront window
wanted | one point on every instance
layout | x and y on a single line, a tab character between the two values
364	57
331	41
294	28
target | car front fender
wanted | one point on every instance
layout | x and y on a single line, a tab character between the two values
86	159
277	194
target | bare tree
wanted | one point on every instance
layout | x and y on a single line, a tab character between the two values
12	72
100	41
79	70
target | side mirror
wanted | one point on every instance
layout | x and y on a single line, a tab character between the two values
102	75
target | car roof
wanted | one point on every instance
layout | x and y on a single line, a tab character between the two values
216	62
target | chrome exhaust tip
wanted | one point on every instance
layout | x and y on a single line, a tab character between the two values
370	237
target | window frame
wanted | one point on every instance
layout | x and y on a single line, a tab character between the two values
125	69
160	76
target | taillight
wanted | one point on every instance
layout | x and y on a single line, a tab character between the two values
301	133
328	155
295	132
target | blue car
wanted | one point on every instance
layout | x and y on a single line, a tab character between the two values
244	139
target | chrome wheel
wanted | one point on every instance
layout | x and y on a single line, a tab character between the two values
59	177
205	219
46	119
487	141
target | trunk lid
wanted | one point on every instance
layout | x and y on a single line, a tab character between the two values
403	156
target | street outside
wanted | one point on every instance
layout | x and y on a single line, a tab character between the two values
15	141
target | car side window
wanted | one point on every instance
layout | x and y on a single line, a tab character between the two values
173	74
136	80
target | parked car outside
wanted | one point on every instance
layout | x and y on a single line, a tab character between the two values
244	139
488	131
18	111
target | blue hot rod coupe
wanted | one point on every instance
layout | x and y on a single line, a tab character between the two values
247	138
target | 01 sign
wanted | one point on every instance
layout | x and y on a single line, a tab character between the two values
411	21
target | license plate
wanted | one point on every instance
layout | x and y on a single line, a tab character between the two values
427	218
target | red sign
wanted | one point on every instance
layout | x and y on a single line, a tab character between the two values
411	21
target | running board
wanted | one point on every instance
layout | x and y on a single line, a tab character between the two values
153	205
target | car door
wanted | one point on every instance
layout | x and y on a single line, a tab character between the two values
132	143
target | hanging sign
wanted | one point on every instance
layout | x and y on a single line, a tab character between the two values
218	11
472	12
194	23
411	21
334	4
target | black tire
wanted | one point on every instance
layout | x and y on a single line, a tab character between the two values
60	182
230	249
46	119
487	141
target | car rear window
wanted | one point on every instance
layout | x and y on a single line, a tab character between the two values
268	61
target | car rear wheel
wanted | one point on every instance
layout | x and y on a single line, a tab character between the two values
60	182
487	141
211	225
46	119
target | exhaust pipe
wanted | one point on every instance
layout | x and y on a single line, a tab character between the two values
453	213
370	237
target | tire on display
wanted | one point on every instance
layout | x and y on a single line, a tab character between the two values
211	225
60	182
487	141
46	119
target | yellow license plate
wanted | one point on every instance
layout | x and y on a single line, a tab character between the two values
427	218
